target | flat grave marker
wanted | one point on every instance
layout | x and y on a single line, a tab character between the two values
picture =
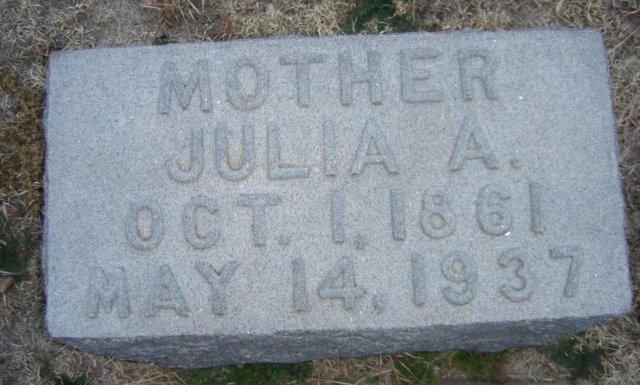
286	199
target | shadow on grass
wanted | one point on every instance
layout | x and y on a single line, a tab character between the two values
65	380
582	363
255	374
14	250
380	12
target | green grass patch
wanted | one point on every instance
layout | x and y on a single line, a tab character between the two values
419	368
255	374
479	366
382	12
422	368
582	363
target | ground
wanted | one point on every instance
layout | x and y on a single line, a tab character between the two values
30	29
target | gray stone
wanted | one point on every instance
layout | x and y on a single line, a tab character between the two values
287	199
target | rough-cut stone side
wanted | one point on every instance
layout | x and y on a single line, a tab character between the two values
188	351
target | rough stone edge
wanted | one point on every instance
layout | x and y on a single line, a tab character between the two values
337	38
198	351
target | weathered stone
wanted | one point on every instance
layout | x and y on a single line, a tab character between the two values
287	199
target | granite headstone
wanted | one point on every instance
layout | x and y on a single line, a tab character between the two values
293	198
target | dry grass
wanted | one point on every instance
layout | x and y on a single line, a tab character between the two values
29	29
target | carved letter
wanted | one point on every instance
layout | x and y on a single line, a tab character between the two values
409	76
372	76
372	134
218	281
165	294
224	155
235	94
302	74
471	134
275	169
135	236
259	203
171	80
484	73
193	172
329	136
107	290
198	239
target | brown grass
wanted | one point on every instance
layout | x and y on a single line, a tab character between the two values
29	29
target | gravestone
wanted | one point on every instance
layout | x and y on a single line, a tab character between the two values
288	199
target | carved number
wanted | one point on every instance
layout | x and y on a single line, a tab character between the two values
459	268
348	292
299	282
436	218
535	202
493	216
518	261
573	275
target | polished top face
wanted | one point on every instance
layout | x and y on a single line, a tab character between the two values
345	183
